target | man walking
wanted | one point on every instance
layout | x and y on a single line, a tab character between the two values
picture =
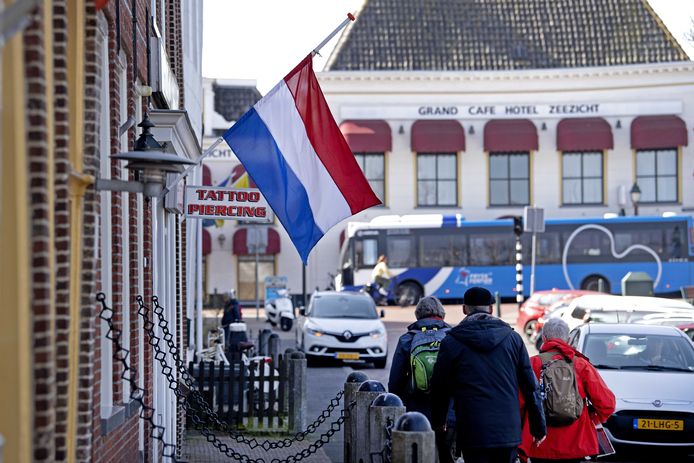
413	364
574	438
483	364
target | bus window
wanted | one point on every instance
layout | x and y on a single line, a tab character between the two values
676	241
589	246
548	248
366	252
401	252
489	248
442	249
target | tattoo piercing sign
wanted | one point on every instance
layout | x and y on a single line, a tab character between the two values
208	202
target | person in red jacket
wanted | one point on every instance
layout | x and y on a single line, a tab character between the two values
578	440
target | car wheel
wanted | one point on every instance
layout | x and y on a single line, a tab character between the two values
407	294
596	283
380	363
529	328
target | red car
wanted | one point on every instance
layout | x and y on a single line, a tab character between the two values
539	304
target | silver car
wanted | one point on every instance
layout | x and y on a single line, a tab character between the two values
650	369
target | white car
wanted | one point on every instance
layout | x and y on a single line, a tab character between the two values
650	370
343	326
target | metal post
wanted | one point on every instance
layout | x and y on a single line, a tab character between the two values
497	302
303	284
532	265
519	271
257	262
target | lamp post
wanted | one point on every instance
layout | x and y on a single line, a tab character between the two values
635	193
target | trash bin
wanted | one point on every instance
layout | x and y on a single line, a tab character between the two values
637	284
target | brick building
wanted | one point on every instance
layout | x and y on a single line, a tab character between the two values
76	79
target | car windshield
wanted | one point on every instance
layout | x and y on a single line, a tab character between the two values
648	352
343	307
546	300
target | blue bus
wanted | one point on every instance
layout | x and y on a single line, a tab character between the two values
444	255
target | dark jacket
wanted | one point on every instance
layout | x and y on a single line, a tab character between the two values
483	364
232	312
400	380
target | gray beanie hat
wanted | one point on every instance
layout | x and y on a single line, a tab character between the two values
429	307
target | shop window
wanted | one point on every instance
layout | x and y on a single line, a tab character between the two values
582	178
509	179
657	175
373	166
437	179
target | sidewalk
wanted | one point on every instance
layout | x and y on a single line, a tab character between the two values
196	449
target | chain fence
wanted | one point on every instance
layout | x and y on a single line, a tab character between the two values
197	408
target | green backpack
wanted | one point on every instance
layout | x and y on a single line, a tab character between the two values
423	352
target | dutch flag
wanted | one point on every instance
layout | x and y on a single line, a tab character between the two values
293	150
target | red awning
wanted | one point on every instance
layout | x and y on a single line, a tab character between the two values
584	134
510	135
269	239
367	136
438	136
653	132
206	176
206	242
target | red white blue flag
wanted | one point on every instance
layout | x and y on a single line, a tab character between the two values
293	150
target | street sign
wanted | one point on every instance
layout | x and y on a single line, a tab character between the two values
208	202
273	284
533	219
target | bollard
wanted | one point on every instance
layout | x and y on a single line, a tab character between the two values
366	394
263	337
385	410
497	300
297	392
273	347
413	439
284	373
354	380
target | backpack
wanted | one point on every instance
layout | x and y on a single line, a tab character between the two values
423	352
559	390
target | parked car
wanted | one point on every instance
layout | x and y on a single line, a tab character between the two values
538	305
556	310
682	320
619	309
343	326
650	369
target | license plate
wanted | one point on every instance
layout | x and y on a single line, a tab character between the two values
347	355
659	425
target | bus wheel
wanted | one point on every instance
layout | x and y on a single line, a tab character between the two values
408	293
596	283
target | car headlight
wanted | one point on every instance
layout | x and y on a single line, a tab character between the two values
314	332
377	333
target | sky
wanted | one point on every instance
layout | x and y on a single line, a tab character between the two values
264	39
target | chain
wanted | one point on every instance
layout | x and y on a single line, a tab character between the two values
386	451
137	393
201	413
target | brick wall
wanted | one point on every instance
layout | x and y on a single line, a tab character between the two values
42	292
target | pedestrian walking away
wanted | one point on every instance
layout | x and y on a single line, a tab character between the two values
413	365
483	364
569	438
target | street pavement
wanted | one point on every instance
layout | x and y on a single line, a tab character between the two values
325	381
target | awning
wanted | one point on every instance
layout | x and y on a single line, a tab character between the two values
510	135
584	134
443	136
245	238
206	242
653	132
206	176
370	136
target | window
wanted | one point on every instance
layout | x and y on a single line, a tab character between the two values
437	179
401	251
490	248
373	166
442	250
582	178
366	252
509	179
247	273
657	176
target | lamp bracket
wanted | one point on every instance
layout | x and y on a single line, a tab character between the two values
103	184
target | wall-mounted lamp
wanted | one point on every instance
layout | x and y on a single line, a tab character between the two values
471	130
635	193
618	125
543	127
221	238
149	162
401	130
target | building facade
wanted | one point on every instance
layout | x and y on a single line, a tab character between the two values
77	78
482	108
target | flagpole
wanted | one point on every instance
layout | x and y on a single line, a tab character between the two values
350	18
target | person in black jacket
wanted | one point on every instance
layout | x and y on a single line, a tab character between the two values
430	314
483	364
